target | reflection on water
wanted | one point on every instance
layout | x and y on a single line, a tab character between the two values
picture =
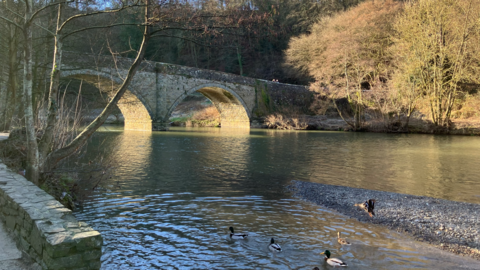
174	195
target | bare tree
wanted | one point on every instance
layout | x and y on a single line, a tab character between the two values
347	55
10	43
438	43
40	155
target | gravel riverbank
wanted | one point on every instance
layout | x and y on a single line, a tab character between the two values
448	225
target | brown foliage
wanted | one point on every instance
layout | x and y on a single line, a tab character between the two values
206	117
208	113
353	43
437	43
348	54
280	121
287	117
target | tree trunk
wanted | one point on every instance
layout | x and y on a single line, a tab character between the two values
239	56
3	102
46	143
32	147
12	83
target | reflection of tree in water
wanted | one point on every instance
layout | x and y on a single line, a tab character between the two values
231	162
411	164
199	181
96	164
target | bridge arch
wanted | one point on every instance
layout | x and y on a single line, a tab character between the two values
232	108
135	110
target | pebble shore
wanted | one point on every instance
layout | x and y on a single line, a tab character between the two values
448	225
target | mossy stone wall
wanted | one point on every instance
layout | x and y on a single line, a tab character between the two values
43	228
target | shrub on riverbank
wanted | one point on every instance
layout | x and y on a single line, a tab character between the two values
66	185
201	117
279	121
287	118
13	153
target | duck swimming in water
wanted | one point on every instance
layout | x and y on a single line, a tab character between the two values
234	235
274	247
368	206
332	261
342	241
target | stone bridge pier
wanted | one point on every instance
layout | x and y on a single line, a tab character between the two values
158	88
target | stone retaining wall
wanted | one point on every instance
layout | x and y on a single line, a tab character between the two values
43	228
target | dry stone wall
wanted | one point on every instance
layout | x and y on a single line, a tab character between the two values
43	228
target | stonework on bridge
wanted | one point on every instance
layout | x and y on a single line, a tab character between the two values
158	88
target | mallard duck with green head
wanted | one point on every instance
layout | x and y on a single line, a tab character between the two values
332	261
274	247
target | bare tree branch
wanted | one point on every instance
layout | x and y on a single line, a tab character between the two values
54	157
11	22
47	6
96	13
15	13
46	29
99	27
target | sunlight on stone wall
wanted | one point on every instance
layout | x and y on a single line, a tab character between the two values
233	115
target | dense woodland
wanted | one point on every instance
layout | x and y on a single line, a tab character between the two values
376	62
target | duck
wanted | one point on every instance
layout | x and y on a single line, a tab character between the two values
368	206
274	247
234	235
332	261
342	241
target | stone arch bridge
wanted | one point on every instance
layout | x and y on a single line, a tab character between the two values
158	88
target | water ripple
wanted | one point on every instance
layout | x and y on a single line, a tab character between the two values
181	191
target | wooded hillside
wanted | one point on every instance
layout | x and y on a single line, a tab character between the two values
254	49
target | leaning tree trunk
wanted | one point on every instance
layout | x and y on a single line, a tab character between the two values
57	155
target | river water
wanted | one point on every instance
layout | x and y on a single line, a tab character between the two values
174	194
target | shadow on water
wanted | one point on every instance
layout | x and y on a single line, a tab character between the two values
174	194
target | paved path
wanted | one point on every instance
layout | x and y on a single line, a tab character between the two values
10	256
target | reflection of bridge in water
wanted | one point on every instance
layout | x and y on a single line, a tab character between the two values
158	88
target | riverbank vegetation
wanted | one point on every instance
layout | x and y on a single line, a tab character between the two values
394	60
378	65
195	111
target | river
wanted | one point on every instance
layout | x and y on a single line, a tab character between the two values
174	194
